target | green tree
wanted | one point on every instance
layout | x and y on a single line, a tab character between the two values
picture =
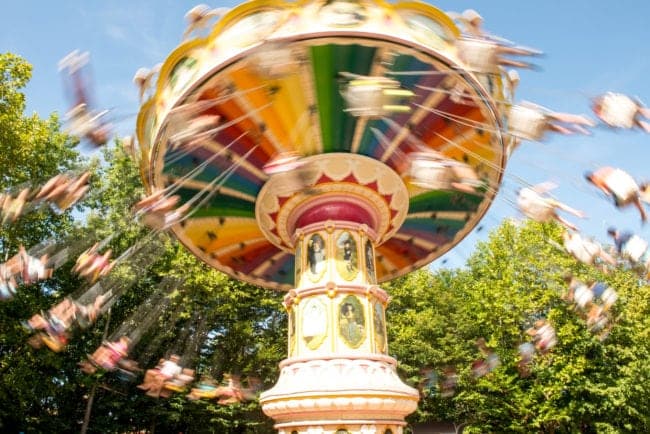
222	325
582	385
45	392
245	329
31	151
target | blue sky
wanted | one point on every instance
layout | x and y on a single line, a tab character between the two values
590	47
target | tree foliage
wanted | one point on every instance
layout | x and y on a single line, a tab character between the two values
31	151
46	392
221	325
582	385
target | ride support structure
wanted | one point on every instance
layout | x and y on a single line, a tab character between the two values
338	376
303	180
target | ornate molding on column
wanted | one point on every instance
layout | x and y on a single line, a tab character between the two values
330	427
355	389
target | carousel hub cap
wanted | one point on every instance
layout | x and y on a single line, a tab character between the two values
339	187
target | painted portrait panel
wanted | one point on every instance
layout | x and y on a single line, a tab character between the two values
252	28
298	259
316	257
314	323
347	260
370	262
343	13
379	326
183	72
352	322
292	332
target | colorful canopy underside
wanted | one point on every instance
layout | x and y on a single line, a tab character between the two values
302	110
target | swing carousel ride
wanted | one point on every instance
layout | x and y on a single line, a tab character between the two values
322	148
349	143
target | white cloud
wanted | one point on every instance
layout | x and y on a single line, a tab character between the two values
116	33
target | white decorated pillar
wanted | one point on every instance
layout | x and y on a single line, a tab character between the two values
338	377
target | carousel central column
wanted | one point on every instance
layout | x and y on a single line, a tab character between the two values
338	377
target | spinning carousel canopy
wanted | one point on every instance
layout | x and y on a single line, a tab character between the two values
276	75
